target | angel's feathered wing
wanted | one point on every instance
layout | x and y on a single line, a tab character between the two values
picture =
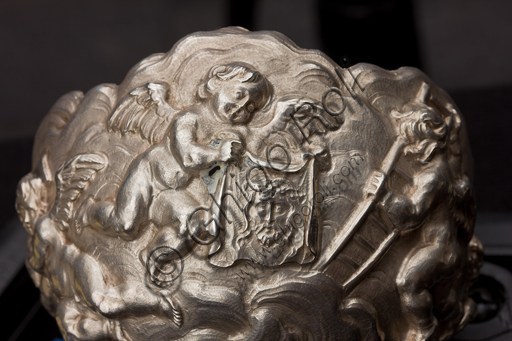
71	180
144	111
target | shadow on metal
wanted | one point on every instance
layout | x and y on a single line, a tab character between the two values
492	294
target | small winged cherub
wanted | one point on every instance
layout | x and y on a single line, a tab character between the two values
183	144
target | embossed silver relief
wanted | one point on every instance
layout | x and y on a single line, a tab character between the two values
241	188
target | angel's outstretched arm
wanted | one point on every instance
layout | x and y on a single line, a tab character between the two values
194	156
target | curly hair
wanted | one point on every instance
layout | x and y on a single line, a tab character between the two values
239	71
425	130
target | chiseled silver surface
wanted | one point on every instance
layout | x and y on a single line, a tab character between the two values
241	188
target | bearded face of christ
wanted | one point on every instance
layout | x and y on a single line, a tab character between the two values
270	216
272	238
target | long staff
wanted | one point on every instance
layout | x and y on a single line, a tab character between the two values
359	215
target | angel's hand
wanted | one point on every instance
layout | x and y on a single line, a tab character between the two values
320	154
231	150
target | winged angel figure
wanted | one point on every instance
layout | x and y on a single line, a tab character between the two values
183	143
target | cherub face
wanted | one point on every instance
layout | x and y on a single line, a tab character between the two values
237	101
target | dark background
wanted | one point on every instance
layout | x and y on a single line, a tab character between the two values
48	48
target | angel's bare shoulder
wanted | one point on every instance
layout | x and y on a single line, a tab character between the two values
189	116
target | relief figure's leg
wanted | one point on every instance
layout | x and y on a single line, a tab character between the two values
89	283
435	259
173	208
413	282
125	216
78	322
112	300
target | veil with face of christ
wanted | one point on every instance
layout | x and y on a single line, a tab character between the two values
266	216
